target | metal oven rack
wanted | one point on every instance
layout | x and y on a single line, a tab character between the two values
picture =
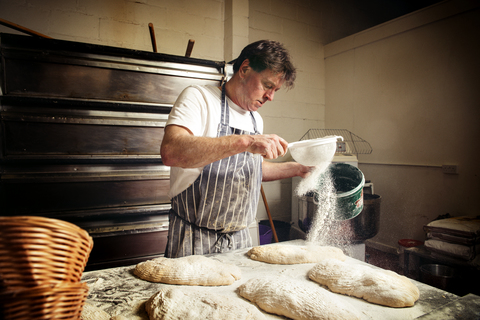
80	132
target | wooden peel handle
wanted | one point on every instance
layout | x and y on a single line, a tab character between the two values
269	215
152	37
190	44
22	29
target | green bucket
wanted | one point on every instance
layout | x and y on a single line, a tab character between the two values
348	181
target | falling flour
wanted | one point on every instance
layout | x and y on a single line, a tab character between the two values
320	184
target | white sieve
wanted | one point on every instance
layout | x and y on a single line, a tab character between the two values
314	152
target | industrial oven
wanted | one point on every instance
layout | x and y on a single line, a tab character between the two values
80	133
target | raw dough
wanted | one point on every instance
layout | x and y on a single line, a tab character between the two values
290	254
296	299
185	303
193	270
90	312
379	286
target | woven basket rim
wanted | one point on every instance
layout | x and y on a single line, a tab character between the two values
37	221
38	250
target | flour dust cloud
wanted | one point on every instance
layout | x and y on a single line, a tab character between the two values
323	229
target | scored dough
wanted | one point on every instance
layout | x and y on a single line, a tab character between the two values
183	303
296	299
378	286
90	312
191	270
290	254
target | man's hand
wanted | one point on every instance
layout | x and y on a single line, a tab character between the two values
270	146
281	170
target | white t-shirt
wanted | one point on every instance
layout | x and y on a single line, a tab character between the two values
198	108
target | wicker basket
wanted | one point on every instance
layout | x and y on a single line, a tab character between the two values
38	250
61	301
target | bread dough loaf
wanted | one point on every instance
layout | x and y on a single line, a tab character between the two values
374	285
185	303
191	270
90	312
296	299
290	254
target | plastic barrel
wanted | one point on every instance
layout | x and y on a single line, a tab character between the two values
282	229
265	233
348	181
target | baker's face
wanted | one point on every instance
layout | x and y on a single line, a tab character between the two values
258	87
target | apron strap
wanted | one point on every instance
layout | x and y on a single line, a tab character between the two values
225	113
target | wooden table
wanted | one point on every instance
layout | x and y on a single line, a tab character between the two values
119	292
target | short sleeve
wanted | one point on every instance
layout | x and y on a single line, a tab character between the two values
189	111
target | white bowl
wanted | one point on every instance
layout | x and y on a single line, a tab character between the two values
314	152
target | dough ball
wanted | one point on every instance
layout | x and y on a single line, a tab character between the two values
296	299
90	312
185	303
378	286
290	254
193	270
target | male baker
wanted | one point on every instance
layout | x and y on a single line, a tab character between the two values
214	145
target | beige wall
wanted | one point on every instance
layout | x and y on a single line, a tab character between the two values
292	112
410	88
124	23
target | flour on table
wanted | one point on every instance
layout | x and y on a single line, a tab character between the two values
193	270
299	300
185	303
291	254
378	286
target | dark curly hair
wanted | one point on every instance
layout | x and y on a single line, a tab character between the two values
268	54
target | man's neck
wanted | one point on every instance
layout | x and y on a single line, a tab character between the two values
231	89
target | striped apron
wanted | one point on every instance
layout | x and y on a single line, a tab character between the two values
213	214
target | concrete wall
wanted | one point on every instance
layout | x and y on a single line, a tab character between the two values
295	111
410	88
124	23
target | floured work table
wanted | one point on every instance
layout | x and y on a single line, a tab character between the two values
118	291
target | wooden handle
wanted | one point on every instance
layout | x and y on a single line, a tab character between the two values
189	48
22	29
152	37
269	215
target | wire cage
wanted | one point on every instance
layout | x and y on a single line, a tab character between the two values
353	143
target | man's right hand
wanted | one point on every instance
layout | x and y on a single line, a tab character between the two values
270	146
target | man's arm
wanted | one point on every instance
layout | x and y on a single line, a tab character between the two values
282	170
180	148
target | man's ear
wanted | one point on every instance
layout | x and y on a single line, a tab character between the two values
244	67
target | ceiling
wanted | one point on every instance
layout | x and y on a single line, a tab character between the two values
352	16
